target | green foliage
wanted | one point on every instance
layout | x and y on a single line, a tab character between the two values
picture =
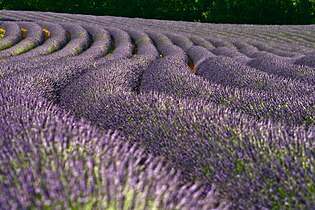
217	11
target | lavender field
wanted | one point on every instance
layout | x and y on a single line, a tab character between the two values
100	112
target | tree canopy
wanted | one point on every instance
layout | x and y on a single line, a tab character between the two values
215	11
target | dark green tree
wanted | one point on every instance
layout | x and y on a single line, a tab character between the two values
216	11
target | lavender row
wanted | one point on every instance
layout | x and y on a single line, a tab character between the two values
121	44
57	39
172	77
181	41
308	60
248	31
23	67
12	35
223	51
122	75
48	160
277	66
144	45
101	43
79	41
208	143
226	71
166	47
199	54
199	41
34	37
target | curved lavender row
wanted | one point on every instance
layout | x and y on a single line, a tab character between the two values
78	42
199	41
263	46
198	54
48	160
180	40
121	74
145	46
101	43
172	77
12	35
57	39
226	71
34	37
238	58
308	60
272	46
245	48
219	41
94	19
278	66
253	52
228	30
256	33
42	66
167	48
121	45
226	52
50	79
223	49
201	138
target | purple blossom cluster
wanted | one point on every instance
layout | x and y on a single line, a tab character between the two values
119	113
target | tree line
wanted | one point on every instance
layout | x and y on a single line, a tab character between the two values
214	11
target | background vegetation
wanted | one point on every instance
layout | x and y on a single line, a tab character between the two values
215	11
